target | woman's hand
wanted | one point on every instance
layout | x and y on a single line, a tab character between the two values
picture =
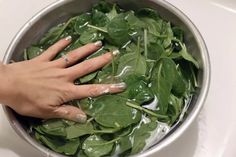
41	87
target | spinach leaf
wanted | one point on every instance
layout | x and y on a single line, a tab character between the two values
140	134
137	89
113	13
155	50
81	23
99	19
59	146
33	52
103	6
131	63
184	53
118	31
175	108
95	146
178	33
162	79
147	12
88	77
78	130
55	127
154	27
121	117
90	35
55	33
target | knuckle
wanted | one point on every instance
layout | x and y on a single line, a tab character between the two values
93	91
87	66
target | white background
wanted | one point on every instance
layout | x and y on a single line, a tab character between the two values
213	134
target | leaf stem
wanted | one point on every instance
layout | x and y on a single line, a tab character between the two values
145	110
97	28
145	42
138	54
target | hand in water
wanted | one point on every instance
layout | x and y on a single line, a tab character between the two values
41	87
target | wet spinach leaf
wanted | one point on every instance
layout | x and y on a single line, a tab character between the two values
95	146
121	117
78	130
33	52
118	31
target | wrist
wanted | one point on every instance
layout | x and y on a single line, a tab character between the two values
4	84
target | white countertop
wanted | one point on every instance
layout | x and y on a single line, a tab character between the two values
213	134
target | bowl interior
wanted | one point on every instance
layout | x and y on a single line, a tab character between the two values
63	9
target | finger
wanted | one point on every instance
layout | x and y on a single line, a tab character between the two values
90	65
84	91
77	54
71	113
52	51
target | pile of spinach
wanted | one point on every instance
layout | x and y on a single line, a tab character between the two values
153	62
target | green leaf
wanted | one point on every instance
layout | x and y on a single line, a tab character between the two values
134	22
99	19
125	144
90	35
137	89
155	50
140	134
103	6
118	31
55	33
95	146
154	27
147	12
121	117
59	146
175	108
184	53
163	76
55	127
113	13
81	23
131	63
78	130
178	33
33	52
88	77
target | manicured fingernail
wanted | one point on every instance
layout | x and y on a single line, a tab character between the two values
98	43
68	38
81	118
121	85
116	52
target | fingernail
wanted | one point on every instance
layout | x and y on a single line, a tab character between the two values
121	85
68	38
81	118
116	52
98	43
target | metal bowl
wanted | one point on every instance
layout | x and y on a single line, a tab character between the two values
61	10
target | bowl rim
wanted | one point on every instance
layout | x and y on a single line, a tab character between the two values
168	140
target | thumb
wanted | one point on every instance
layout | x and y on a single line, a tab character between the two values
71	113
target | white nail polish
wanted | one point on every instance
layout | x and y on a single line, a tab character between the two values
98	43
81	118
121	85
116	52
68	38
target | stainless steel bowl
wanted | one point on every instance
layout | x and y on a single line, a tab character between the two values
61	10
